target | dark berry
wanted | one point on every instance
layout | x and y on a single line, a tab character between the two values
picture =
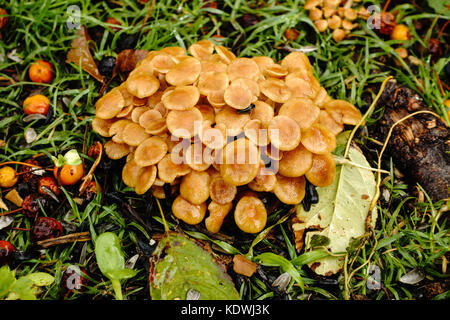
26	172
127	41
30	205
106	66
6	251
73	278
45	228
49	183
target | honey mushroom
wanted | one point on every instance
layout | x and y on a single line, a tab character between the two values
302	110
284	133
168	170
232	120
102	126
255	133
322	171
220	191
130	173
185	72
343	112
145	179
212	82
238	96
184	124
194	187
250	214
116	150
328	122
264	181
181	98
262	112
295	163
290	190
141	83
217	213
318	139
188	212
108	106
150	151
116	130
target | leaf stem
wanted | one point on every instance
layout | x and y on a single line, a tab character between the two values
117	289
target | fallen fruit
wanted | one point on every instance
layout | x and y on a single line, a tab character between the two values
36	104
74	278
8	177
6	250
41	71
69	174
45	228
400	32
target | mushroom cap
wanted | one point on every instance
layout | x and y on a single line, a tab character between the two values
188	212
297	61
184	124
201	49
275	70
243	68
214	137
217	213
157	127
322	98
226	56
194	187
155	98
212	82
168	170
185	72
116	130
208	113
322	171
125	112
328	122
116	150
255	133
275	89
290	190
216	99
295	163
284	133
108	106
133	134
181	98
130	173
137	112
150	151
102	126
252	85
198	157
162	62
232	120
238	95
213	66
301	110
148	117
318	139
175	51
262	112
343	112
264	181
263	62
145	179
142	84
241	159
220	191
250	214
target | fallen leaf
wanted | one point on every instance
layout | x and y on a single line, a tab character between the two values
127	59
179	265
341	212
79	54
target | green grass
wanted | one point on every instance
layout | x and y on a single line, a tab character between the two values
408	233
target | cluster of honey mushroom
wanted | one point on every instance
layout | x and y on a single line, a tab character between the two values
222	130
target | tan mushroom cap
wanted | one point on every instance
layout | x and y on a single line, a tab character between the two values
238	96
290	190
275	70
116	150
125	112
137	112
302	110
327	121
322	171
296	162
243	68
127	96
184	124
138	102
250	214
185	72
158	192
142	84
240	162
252	85
181	98
226	55
343	112
212	82
215	99
232	120
202	49
322	98
263	62
217	213
175	51
163	62
188	212
275	89
168	170
302	85
318	139
272	152
130	173
108	106
102	126
145	180
220	191
194	187
262	112
255	133
198	157
117	128
133	134
154	99
157	127
213	66
264	181
214	137
296	61
148	117
208	113
284	133
150	151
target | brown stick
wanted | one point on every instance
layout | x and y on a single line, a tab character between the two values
80	237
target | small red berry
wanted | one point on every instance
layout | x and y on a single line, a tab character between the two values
30	205
49	183
46	228
73	278
6	250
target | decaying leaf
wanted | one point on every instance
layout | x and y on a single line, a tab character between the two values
79	54
179	265
127	59
341	212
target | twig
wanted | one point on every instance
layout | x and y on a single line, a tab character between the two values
80	236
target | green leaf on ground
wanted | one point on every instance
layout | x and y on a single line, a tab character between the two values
180	264
341	212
